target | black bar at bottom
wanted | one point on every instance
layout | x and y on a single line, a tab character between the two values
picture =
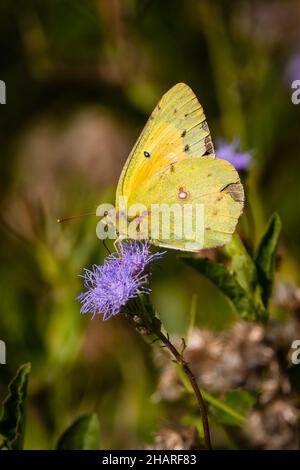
137	458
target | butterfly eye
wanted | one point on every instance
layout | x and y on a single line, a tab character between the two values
147	154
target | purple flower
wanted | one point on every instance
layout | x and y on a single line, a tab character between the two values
135	255
231	153
119	279
292	71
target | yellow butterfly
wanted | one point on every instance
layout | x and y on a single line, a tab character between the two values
173	163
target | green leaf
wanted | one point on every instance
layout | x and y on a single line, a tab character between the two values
223	409
2	442
192	317
238	401
12	420
242	264
244	268
227	283
83	434
265	256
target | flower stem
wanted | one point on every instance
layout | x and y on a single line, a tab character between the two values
180	360
143	314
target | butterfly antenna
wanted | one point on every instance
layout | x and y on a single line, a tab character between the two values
73	217
106	247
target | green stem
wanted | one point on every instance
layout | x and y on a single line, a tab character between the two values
141	311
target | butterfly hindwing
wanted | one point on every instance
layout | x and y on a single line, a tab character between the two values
212	183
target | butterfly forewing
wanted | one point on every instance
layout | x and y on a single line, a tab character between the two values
176	130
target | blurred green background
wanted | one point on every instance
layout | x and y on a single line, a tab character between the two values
82	78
